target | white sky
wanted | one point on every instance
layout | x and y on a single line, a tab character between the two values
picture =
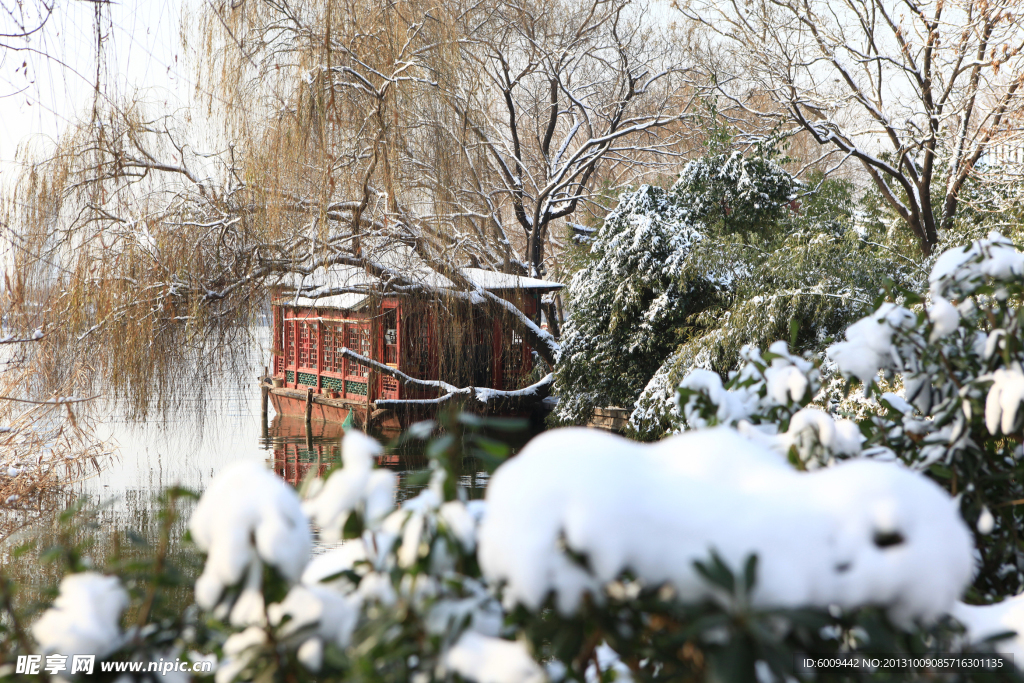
142	51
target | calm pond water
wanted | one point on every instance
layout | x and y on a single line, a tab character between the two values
188	448
191	449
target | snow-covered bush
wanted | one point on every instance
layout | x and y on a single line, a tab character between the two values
862	533
641	283
737	252
958	357
626	302
807	290
247	519
704	557
85	618
396	597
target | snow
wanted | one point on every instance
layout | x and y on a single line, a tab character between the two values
859	533
608	659
732	405
334	562
485	395
817	437
945	318
311	654
346	301
331	615
347	287
249	608
484	659
985	621
411	547
480	612
869	343
85	617
776	388
246	503
239	650
337	276
785	382
811	426
410	523
1004	398
376	587
491	280
897	403
356	487
992	340
460	522
986	522
995	257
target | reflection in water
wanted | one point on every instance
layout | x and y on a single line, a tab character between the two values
185	451
297	450
300	448
120	521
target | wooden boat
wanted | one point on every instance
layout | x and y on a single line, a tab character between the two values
314	374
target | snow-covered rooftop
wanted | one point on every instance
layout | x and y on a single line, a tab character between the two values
337	276
350	301
340	277
490	280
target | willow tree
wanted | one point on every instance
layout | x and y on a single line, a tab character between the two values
21	20
477	125
389	136
920	93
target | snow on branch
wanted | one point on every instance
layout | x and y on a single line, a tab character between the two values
533	393
11	339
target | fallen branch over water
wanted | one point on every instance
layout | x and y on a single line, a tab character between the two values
515	399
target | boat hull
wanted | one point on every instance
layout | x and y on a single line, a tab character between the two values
293	403
360	415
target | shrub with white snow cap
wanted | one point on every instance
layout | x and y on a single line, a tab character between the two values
869	343
356	487
85	617
247	503
955	359
985	621
861	533
319	614
492	660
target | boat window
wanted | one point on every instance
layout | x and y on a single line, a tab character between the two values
289	343
307	345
